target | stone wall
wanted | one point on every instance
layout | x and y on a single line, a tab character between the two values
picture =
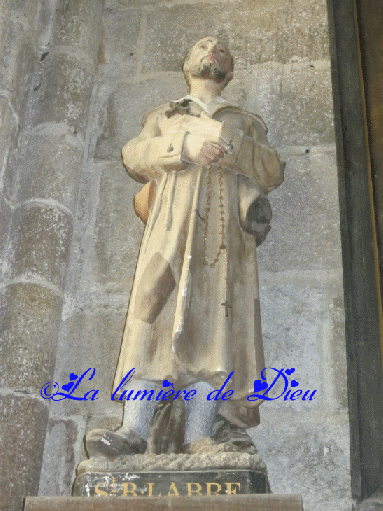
78	78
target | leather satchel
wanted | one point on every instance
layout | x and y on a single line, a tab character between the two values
143	200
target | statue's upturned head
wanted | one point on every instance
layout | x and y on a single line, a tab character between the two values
209	59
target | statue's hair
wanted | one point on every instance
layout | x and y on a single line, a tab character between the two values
186	76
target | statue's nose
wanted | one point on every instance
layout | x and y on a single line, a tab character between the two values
213	50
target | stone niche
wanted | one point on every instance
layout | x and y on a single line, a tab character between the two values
107	64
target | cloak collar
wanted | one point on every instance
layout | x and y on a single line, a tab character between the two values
210	109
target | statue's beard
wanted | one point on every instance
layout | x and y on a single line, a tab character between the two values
208	70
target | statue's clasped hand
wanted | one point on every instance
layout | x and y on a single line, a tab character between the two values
203	151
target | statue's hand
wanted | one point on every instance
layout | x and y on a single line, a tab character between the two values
199	149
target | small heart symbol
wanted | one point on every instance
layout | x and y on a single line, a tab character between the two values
294	383
167	383
73	376
68	386
260	385
290	371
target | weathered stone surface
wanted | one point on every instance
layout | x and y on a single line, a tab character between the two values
256	32
50	166
111	5
61	91
59	456
47	18
9	173
123	108
294	99
22	432
22	11
309	457
291	320
170	462
5	6
338	350
30	319
305	231
8	128
41	240
302	315
374	503
91	338
5	221
119	45
118	230
77	26
18	55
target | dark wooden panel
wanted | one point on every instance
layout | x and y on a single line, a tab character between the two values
362	301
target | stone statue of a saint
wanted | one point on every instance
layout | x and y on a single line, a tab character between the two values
194	315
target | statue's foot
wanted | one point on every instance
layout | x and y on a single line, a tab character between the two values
101	442
228	433
208	446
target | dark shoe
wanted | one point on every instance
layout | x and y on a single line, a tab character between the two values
101	442
232	435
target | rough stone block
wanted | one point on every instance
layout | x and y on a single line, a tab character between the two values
9	175
22	11
5	6
30	320
122	4
374	503
123	108
50	166
108	233
295	100
91	338
303	327
118	231
22	431
61	91
338	350
41	236
292	316
18	55
5	221
305	231
309	458
59	457
8	129
256	32
119	45
78	25
47	16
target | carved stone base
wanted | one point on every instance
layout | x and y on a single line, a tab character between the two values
218	503
172	475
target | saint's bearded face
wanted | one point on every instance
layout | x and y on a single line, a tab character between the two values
209	59
208	70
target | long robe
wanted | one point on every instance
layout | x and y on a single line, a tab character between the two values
194	311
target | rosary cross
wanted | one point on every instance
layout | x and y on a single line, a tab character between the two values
227	307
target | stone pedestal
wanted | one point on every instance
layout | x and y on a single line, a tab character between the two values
217	503
170	482
172	475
